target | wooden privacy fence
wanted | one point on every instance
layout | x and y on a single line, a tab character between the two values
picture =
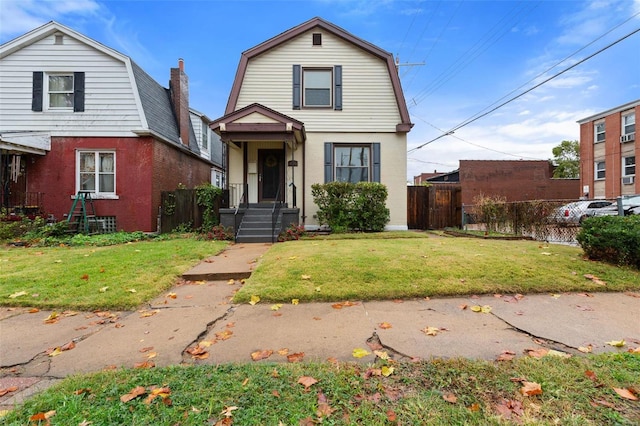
434	207
180	207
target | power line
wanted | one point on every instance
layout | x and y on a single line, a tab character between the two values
477	117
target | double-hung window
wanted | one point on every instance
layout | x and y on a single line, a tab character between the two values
57	91
60	91
599	132
629	166
317	85
628	124
352	163
96	172
600	170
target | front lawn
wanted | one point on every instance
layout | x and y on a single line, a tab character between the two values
89	277
372	268
593	390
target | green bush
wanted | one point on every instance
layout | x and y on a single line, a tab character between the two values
208	196
345	206
613	239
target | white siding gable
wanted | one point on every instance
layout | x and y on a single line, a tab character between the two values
368	101
112	105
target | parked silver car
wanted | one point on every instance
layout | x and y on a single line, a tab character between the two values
577	211
630	206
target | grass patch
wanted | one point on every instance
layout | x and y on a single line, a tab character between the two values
365	268
73	277
414	393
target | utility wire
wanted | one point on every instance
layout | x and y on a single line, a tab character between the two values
477	117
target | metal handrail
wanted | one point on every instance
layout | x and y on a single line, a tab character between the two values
244	196
275	211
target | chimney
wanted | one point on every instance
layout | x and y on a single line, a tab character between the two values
179	87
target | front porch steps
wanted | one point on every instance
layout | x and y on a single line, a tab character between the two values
256	225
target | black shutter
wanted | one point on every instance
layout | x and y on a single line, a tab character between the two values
78	92
337	87
296	87
376	162
328	162
36	92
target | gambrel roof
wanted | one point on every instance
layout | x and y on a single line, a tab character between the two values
320	23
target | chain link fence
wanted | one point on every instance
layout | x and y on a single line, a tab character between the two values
556	221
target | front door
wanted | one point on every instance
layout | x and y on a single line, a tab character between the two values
270	174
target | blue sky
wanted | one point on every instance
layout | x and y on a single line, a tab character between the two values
466	54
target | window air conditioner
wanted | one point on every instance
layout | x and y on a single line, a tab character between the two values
628	180
628	137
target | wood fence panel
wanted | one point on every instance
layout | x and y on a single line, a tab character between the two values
434	207
417	207
179	207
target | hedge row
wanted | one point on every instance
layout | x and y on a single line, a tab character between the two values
613	239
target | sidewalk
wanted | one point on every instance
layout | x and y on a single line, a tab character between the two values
199	309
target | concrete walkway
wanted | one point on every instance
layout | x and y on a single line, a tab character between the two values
196	323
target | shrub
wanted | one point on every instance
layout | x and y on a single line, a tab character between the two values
345	206
613	239
293	232
208	196
218	233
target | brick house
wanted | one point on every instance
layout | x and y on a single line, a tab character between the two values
608	152
76	115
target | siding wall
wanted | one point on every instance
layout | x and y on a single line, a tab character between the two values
268	81
110	104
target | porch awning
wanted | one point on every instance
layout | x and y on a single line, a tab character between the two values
25	142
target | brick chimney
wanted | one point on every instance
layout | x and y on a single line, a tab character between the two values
179	87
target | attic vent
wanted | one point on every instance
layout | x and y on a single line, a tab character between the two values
317	39
59	38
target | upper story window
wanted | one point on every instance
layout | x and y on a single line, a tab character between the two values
205	136
317	87
352	163
600	170
57	91
599	132
60	91
629	166
96	172
628	123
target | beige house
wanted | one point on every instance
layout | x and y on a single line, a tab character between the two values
313	105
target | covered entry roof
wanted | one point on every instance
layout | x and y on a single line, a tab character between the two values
256	122
25	142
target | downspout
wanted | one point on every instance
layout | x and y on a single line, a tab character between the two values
304	180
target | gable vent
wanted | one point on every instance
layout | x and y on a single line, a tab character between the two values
317	39
59	38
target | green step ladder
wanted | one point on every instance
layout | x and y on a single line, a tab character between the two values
82	216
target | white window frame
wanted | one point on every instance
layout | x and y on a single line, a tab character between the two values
598	170
337	164
628	122
305	86
205	136
597	132
96	193
48	92
626	168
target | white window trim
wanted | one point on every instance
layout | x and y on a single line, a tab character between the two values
331	94
623	131
96	195
596	170
624	165
369	166
46	93
595	132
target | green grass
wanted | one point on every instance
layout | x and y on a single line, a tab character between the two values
73	277
267	394
369	268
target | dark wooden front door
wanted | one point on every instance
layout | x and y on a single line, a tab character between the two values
270	174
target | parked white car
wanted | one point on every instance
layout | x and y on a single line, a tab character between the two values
577	211
630	205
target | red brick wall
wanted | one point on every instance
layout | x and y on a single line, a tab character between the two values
144	168
514	180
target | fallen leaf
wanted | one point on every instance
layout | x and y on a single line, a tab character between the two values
145	314
55	352
634	350
384	325
391	416
387	370
145	349
324	410
224	334
228	411
264	354
52	318
307	381
485	309
254	299
585	349
306	277
296	357
68	346
553	352
172	295
18	294
530	389
617	343
626	393
506	356
276	306
33	310
537	353
431	331
449	397
295	301
509	407
360	353
283	351
5	391
103	289
474	407
463	306
132	290
381	354
85	277
133	393
231	281
144	365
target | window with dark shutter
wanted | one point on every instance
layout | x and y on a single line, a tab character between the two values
337	87
296	87
317	39
376	162
78	92
328	162
37	91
